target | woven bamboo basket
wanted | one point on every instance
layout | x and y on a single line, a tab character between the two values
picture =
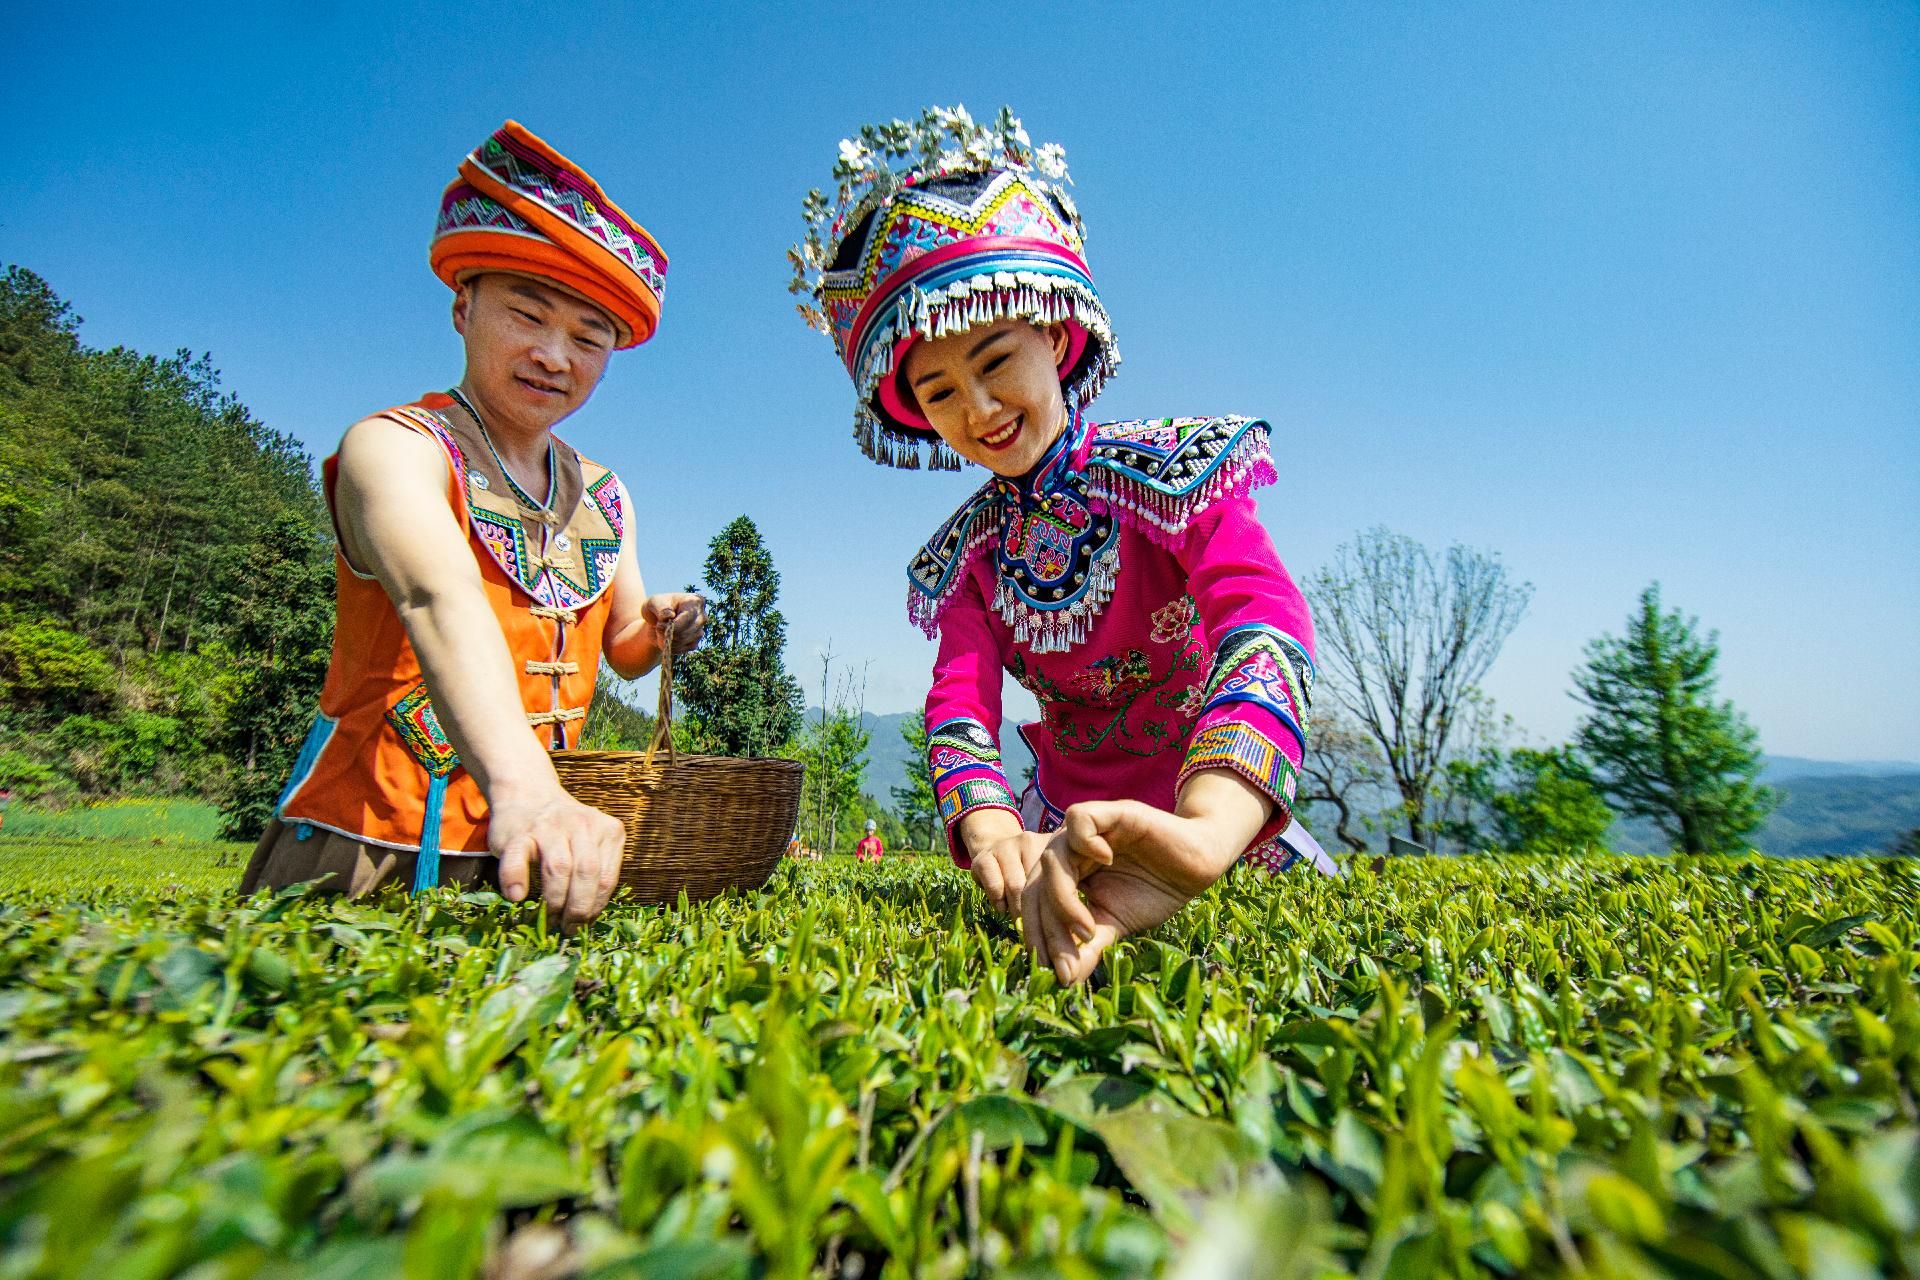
695	824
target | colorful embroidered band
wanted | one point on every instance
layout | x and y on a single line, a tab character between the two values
565	577
1266	667
1251	754
964	764
972	226
414	719
519	206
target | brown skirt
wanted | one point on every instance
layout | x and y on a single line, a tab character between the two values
350	866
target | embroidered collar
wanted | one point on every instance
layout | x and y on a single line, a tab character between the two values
1065	455
564	565
1154	477
1058	552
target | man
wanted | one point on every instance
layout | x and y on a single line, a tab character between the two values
870	848
471	613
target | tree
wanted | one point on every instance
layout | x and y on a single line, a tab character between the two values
834	750
739	699
164	562
1341	769
915	802
1460	806
1661	746
835	753
1550	805
47	673
1404	640
282	637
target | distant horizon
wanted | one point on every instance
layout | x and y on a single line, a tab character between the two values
1768	760
1623	295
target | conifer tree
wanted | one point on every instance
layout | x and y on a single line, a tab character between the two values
1662	746
739	699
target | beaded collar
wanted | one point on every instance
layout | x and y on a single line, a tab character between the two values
1153	476
1058	553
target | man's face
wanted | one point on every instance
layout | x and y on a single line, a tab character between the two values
993	393
534	352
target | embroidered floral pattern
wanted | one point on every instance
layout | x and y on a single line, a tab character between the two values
1175	621
1113	700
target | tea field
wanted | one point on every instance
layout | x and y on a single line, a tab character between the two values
1456	1067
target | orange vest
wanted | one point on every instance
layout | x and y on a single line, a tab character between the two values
377	766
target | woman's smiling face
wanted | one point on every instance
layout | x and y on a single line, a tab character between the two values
993	393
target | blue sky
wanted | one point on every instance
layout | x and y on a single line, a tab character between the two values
1623	292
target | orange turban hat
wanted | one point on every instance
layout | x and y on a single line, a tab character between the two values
522	207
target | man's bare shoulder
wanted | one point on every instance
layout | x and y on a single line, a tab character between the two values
391	503
378	453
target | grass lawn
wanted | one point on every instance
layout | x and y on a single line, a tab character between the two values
118	820
123	848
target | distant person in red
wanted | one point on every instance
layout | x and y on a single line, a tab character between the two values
869	849
6	798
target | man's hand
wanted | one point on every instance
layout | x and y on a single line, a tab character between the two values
683	611
576	848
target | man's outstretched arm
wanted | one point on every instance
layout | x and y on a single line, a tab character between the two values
390	501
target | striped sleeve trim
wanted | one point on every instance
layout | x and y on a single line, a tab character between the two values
1244	750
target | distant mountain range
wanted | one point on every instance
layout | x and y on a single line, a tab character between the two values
1827	806
1781	768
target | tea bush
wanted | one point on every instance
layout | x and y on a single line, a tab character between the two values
1458	1067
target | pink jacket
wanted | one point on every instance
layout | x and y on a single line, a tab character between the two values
1129	585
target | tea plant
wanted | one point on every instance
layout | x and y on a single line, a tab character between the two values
1459	1067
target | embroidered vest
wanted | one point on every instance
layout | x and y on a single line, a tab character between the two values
377	765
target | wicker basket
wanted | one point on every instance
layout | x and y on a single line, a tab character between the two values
698	824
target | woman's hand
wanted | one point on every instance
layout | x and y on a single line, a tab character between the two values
1120	867
1003	866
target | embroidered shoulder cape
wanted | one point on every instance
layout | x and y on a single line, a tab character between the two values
1156	475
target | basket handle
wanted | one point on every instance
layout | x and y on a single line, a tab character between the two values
663	717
